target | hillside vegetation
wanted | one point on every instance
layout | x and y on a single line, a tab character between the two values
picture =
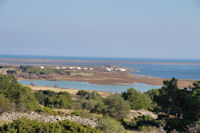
176	109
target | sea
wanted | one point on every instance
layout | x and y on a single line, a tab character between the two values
163	68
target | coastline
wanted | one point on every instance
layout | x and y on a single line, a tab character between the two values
7	60
103	78
123	79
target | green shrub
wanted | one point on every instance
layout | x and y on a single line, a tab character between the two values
11	72
47	110
68	73
143	122
116	107
34	126
53	99
88	95
100	107
18	94
137	99
87	101
5	104
110	125
83	114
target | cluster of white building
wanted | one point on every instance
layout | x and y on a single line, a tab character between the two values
107	68
114	68
75	68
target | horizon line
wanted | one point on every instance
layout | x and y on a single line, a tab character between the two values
97	57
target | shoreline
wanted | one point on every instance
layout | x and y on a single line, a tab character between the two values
126	79
102	78
6	60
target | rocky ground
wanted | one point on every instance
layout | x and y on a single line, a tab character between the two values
8	117
136	113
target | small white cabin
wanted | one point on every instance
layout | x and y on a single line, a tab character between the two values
78	68
122	69
63	67
109	69
91	69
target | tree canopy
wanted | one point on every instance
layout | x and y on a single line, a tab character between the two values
53	99
136	99
116	107
18	94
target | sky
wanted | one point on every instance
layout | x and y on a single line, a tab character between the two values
101	28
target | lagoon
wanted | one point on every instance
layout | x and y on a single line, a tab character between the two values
88	86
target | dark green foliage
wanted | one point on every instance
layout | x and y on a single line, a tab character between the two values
11	72
153	93
172	99
143	121
25	68
18	94
116	107
88	95
146	121
181	106
53	99
86	104
192	111
68	73
87	100
110	125
137	99
5	104
28	126
100	107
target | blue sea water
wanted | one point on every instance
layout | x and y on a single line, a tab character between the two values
99	58
183	71
145	67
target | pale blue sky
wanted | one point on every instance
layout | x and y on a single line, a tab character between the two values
101	28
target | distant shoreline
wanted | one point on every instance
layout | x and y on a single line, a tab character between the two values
111	79
28	61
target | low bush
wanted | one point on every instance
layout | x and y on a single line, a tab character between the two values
5	104
116	107
110	125
137	100
18	94
34	126
142	122
83	114
87	101
47	110
88	95
52	99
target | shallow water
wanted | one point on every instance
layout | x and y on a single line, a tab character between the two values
183	71
87	86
